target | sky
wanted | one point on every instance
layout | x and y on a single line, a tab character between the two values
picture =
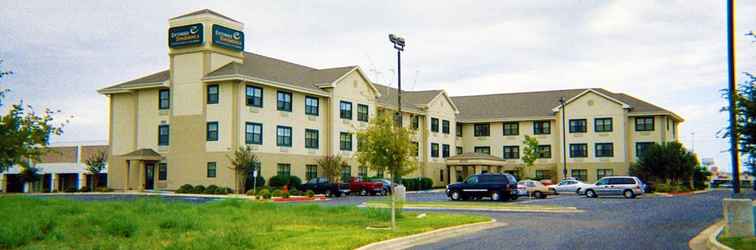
670	53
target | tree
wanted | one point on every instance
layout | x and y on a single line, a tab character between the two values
95	165
25	133
331	166
530	151
669	162
386	146
745	112
243	164
29	174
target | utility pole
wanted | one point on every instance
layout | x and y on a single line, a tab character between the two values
731	94
399	46
564	139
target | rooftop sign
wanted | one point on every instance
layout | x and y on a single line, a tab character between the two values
187	35
228	38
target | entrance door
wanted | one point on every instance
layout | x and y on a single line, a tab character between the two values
149	176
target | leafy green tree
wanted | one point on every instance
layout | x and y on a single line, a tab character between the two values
383	145
243	164
667	162
95	164
29	174
331	166
530	151
24	133
745	111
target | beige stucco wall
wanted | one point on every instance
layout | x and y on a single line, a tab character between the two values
353	88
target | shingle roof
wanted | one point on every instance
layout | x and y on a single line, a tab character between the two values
205	11
143	154
474	156
410	99
260	67
532	104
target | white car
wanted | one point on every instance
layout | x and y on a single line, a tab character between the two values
570	186
626	186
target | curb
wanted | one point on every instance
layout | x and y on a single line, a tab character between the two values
432	236
682	194
713	243
535	210
707	239
438	190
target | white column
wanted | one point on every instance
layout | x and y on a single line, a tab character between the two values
27	186
54	183
82	179
2	183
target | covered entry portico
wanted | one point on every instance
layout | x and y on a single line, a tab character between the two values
461	166
142	167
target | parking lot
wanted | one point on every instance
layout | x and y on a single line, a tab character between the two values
647	222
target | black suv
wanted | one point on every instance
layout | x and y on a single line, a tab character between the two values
501	187
321	185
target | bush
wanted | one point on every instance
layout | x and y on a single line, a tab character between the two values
280	181
222	190
420	183
104	189
212	189
70	190
249	182
285	195
251	192
265	194
199	189
670	188
84	189
295	192
276	193
310	193
185	189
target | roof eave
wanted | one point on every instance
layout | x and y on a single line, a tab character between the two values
246	78
149	85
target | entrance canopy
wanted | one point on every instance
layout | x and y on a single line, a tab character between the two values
144	154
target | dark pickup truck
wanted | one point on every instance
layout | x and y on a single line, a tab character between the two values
500	187
322	185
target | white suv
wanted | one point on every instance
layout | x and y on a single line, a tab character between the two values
627	186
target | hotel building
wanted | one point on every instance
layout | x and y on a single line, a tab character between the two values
178	126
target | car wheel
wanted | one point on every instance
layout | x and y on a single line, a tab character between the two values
590	193
628	194
496	196
537	194
363	192
577	191
455	196
514	197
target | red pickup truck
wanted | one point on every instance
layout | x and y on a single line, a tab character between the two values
359	186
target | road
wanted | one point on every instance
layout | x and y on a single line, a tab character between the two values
608	223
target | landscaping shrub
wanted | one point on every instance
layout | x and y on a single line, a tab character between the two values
285	195
294	191
249	182
251	192
199	189
310	193
212	189
280	181
276	193
84	189
265	194
420	183
104	189
70	190
295	182
671	188
185	189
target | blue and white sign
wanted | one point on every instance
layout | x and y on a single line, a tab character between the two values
187	35
228	38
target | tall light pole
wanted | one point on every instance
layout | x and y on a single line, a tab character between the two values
399	46
731	94
564	139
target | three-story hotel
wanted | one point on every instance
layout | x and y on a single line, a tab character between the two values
178	126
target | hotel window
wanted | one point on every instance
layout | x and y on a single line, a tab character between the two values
312	105
544	151
445	127
642	147
284	101
311	138
601	173
312	172
580	174
283	136
362	172
604	150
434	150
346	173
284	169
542	174
579	150
511	128
212	131
511	152
345	141
602	125
162	171
164	96
644	123
441	175
346	110
163	135
483	150
482	129
541	127
415	120
362	112
434	125
212	169
459	150
254	96
417	148
212	94
578	126
253	133
445	148
379	173
458	129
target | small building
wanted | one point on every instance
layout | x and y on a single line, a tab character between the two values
61	169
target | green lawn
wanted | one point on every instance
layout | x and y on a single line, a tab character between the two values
739	243
33	223
504	206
